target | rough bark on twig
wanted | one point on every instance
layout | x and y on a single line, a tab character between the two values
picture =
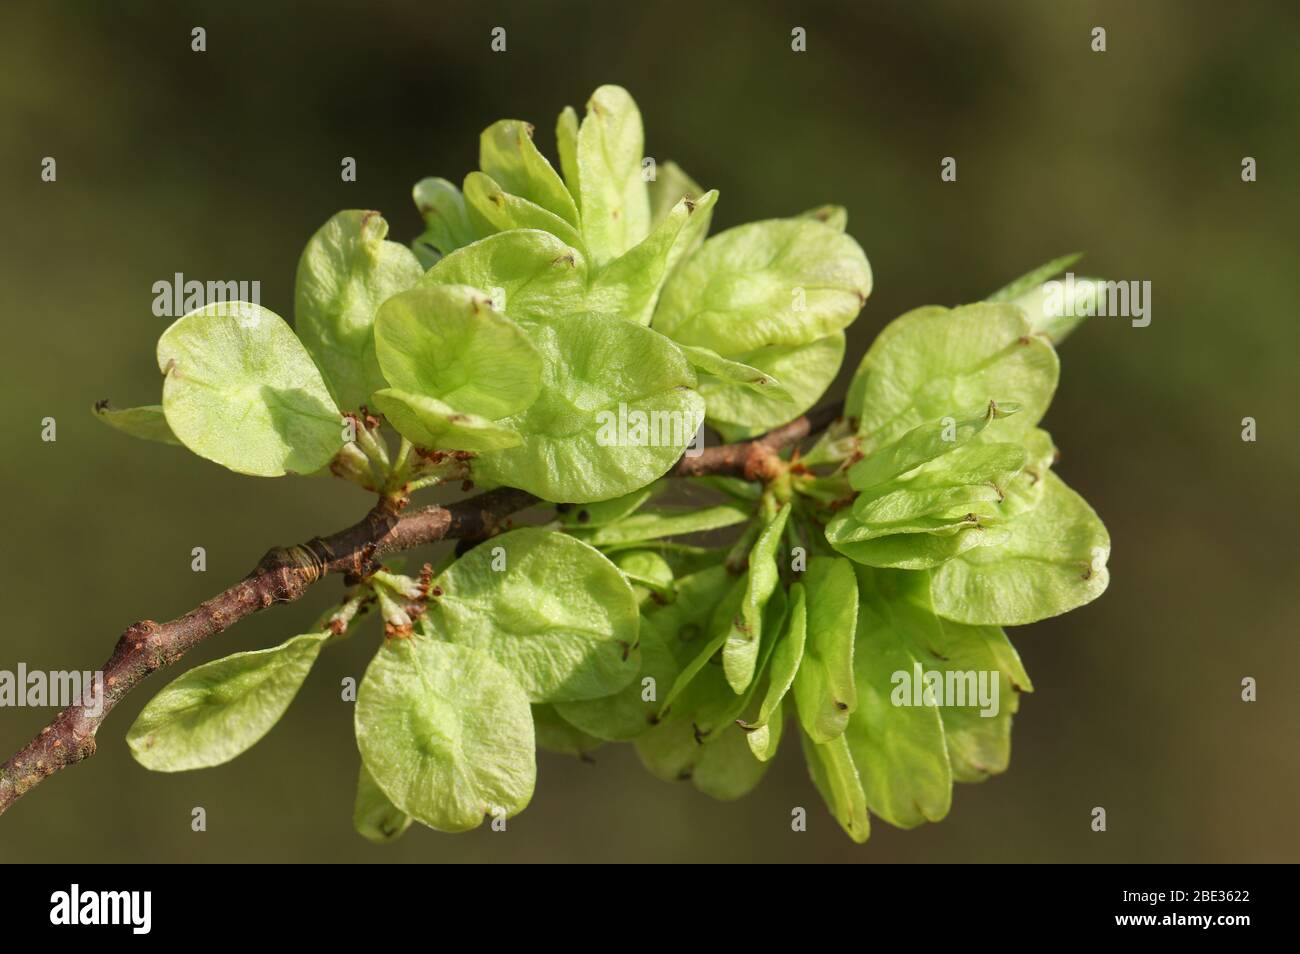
285	573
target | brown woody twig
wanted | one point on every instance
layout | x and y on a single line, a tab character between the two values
284	574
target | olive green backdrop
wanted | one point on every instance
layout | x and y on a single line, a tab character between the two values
221	164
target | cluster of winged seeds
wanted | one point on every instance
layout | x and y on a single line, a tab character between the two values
566	333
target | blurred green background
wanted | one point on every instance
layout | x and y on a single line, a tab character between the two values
220	165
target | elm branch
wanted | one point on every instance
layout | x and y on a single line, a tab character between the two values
285	573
